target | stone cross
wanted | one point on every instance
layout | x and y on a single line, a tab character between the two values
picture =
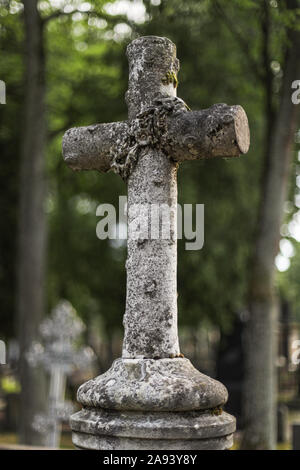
59	355
160	133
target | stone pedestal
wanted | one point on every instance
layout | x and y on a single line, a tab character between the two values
163	404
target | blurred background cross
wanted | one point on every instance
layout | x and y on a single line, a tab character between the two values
60	355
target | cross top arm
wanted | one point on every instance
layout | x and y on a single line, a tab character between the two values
219	131
157	119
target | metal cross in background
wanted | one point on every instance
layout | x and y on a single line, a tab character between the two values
60	356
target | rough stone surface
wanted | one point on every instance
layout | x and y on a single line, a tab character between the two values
160	132
219	131
149	129
150	319
91	442
107	429
88	148
153	385
150	60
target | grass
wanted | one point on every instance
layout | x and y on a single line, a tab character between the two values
12	439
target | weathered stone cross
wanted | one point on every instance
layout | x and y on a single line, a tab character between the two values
161	132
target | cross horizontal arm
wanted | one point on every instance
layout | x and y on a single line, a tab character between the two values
89	148
219	131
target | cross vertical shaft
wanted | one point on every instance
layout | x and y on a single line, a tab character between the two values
150	320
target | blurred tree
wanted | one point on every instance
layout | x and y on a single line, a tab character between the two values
32	219
32	223
282	119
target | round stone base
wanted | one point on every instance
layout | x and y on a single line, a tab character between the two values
100	429
152	385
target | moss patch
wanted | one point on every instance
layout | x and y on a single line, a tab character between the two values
216	411
170	77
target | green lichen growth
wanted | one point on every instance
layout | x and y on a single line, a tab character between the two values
170	77
217	411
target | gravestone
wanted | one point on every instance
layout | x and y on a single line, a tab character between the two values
152	397
282	423
60	356
230	365
296	436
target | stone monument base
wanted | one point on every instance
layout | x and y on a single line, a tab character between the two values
131	430
163	404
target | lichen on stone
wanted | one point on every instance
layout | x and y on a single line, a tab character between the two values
148	129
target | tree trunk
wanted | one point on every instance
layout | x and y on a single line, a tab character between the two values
259	392
32	223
